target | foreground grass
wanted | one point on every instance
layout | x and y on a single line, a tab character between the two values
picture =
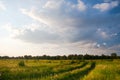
35	69
74	74
60	70
105	70
65	72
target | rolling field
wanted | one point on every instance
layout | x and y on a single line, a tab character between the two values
59	70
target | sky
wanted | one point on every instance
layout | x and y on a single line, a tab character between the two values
59	27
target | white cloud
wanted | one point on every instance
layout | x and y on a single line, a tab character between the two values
106	6
32	13
51	20
80	6
56	18
114	4
98	45
102	34
53	4
14	31
35	33
104	44
102	7
2	6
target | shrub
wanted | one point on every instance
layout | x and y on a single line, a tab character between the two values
21	63
72	62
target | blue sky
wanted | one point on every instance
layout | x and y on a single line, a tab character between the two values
59	27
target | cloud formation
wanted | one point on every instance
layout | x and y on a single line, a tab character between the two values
74	24
106	6
80	6
75	28
53	4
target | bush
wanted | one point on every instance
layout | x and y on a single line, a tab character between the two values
72	62
21	63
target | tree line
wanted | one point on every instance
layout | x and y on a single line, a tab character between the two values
64	57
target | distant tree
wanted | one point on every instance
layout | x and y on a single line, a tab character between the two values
70	56
114	55
80	57
103	56
64	57
5	57
86	56
27	56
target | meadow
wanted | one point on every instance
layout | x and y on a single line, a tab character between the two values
22	69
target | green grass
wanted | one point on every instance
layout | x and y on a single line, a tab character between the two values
74	74
105	70
11	69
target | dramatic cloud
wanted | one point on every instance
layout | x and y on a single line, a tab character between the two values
71	24
71	28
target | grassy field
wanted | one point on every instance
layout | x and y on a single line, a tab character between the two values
59	70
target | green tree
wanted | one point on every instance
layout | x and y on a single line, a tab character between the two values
114	55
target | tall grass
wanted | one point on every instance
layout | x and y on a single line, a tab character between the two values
63	70
75	74
105	70
34	69
59	70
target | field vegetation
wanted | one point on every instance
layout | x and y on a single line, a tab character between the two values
22	69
